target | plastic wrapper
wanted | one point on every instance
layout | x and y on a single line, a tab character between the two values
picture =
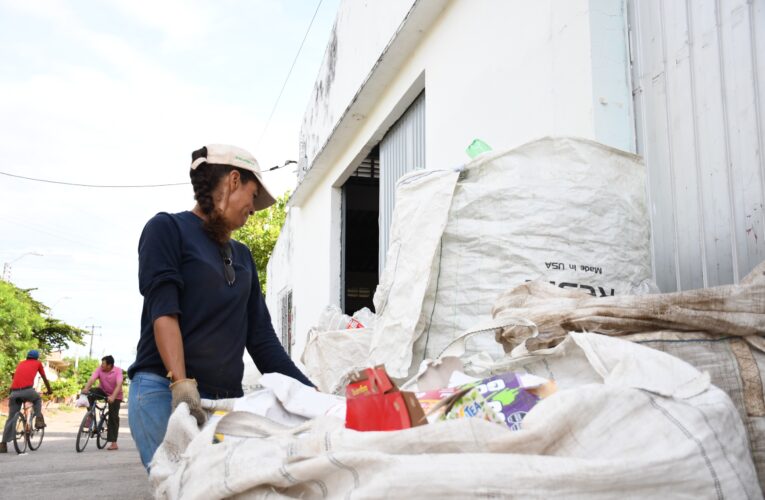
504	399
332	318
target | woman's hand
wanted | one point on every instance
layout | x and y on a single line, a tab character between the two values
185	391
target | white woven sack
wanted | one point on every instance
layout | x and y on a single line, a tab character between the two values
328	356
720	330
422	207
727	310
569	211
734	366
627	422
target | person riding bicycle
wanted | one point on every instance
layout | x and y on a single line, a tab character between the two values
22	389
110	378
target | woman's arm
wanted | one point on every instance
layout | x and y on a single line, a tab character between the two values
167	335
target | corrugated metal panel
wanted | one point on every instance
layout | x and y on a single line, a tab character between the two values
697	68
402	150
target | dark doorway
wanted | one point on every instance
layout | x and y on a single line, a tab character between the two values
361	206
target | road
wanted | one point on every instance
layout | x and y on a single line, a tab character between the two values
57	471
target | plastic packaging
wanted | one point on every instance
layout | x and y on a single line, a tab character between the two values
365	317
332	318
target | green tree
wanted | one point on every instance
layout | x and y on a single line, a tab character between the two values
64	388
261	232
55	335
24	325
18	321
81	374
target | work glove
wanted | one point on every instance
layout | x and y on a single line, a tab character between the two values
185	391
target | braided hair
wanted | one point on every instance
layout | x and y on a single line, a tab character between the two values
205	180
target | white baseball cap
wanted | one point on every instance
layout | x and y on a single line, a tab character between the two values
224	154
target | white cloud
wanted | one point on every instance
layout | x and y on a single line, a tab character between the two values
115	112
182	23
54	10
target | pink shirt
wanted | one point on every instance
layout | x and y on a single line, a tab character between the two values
109	380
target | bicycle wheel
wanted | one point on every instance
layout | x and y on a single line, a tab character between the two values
20	433
83	434
35	436
102	431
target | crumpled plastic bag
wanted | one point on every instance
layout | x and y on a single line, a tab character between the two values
333	318
81	402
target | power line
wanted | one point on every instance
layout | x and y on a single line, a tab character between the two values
77	184
289	73
120	186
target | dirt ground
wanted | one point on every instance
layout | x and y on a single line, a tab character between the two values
57	471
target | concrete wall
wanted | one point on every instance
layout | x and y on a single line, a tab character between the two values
279	270
502	71
361	32
302	261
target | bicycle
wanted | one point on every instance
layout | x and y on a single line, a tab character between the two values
94	423
25	433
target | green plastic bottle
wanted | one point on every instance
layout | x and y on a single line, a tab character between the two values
476	148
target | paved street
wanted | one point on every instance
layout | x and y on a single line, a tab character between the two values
57	471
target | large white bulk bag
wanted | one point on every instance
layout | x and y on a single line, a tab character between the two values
570	211
626	422
719	330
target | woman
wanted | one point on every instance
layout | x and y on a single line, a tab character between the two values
202	300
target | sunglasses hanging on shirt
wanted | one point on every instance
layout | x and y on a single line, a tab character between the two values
228	264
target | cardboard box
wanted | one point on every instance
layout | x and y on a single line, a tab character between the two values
374	403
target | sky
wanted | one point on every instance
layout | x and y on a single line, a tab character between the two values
120	92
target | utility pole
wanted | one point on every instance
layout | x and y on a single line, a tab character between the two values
92	334
7	265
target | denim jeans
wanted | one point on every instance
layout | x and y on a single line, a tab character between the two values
14	406
149	408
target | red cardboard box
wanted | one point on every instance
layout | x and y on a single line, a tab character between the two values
374	403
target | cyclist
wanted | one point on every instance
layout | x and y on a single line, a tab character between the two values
22	389
110	378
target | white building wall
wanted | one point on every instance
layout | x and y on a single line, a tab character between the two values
513	72
612	97
505	72
279	269
280	282
361	32
314	265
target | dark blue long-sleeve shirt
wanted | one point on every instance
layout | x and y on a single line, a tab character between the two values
180	272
